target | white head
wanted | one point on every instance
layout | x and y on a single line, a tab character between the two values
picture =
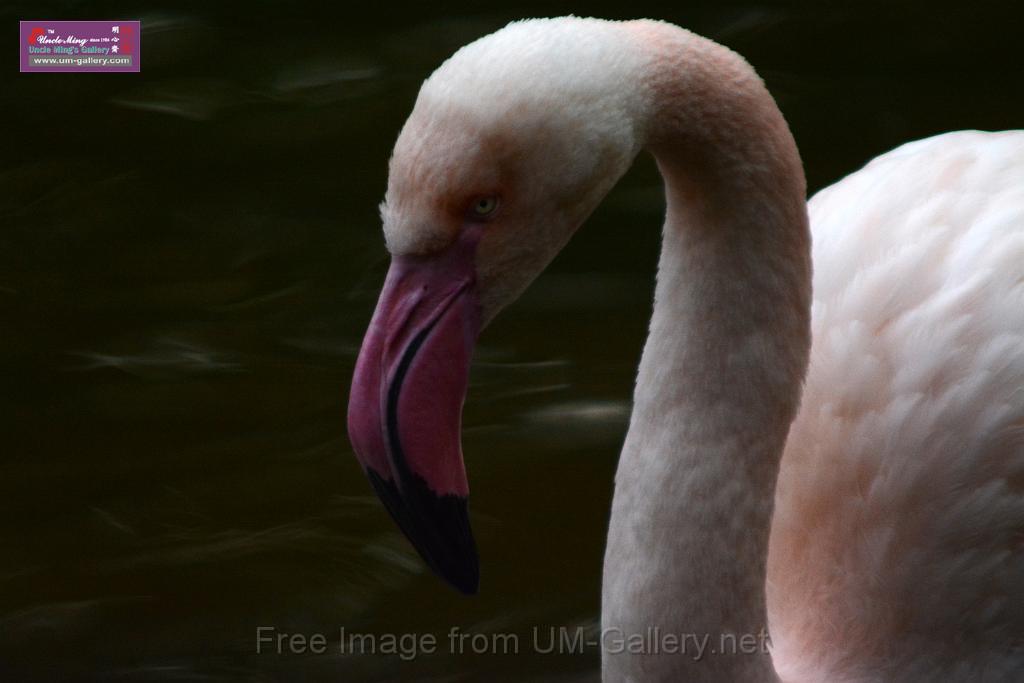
524	130
511	145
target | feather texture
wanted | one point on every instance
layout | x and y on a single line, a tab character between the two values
897	548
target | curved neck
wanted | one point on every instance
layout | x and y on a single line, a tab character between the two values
719	380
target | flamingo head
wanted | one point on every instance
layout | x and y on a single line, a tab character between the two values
511	144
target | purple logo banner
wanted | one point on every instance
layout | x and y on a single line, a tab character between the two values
72	46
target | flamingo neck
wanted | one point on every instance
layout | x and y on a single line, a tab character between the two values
719	379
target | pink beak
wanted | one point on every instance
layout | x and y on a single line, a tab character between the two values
405	409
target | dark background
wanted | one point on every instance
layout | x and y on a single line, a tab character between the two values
189	257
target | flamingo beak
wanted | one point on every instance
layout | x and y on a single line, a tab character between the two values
405	409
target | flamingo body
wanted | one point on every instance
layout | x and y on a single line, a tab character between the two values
899	519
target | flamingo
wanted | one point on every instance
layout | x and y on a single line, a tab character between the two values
861	497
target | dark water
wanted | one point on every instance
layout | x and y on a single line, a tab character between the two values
188	259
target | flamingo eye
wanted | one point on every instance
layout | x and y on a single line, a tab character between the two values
484	206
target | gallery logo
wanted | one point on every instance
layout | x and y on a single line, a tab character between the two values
68	46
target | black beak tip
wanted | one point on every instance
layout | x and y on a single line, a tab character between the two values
437	526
